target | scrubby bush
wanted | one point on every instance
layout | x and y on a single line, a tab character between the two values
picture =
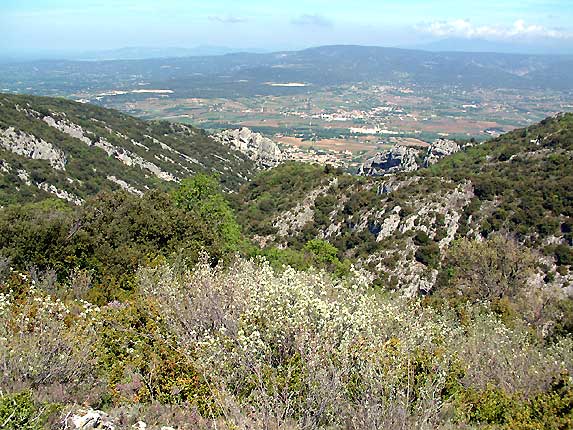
113	234
48	346
488	270
245	346
299	350
428	255
21	412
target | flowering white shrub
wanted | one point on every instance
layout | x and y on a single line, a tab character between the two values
301	350
47	345
300	346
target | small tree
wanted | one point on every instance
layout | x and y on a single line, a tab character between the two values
488	270
201	194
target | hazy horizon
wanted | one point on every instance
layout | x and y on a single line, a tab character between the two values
65	26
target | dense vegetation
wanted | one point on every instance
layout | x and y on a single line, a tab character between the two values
529	172
113	234
161	308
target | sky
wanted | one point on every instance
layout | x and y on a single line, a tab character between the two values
83	25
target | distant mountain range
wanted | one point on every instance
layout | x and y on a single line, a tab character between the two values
543	47
248	74
125	53
469	45
142	52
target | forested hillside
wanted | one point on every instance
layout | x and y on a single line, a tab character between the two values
400	227
71	150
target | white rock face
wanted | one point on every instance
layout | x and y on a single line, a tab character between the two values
127	157
91	419
439	149
390	225
174	151
302	213
24	176
125	186
32	147
68	128
399	158
61	194
131	159
404	158
4	167
257	147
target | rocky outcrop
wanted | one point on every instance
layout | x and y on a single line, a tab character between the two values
124	185
90	419
59	193
68	128
130	158
439	149
32	147
257	147
296	218
399	158
127	157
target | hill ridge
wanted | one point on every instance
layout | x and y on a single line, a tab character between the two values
74	150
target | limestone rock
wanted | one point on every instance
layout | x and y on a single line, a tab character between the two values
390	225
32	147
91	419
124	185
399	158
439	149
60	193
257	147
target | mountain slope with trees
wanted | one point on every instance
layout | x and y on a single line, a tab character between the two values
71	150
399	227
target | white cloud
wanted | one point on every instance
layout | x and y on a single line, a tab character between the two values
312	20
228	19
465	28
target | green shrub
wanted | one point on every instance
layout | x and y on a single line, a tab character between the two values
428	255
201	195
421	238
113	234
548	410
564	255
140	362
20	412
487	270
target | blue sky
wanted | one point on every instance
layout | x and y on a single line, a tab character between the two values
59	25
